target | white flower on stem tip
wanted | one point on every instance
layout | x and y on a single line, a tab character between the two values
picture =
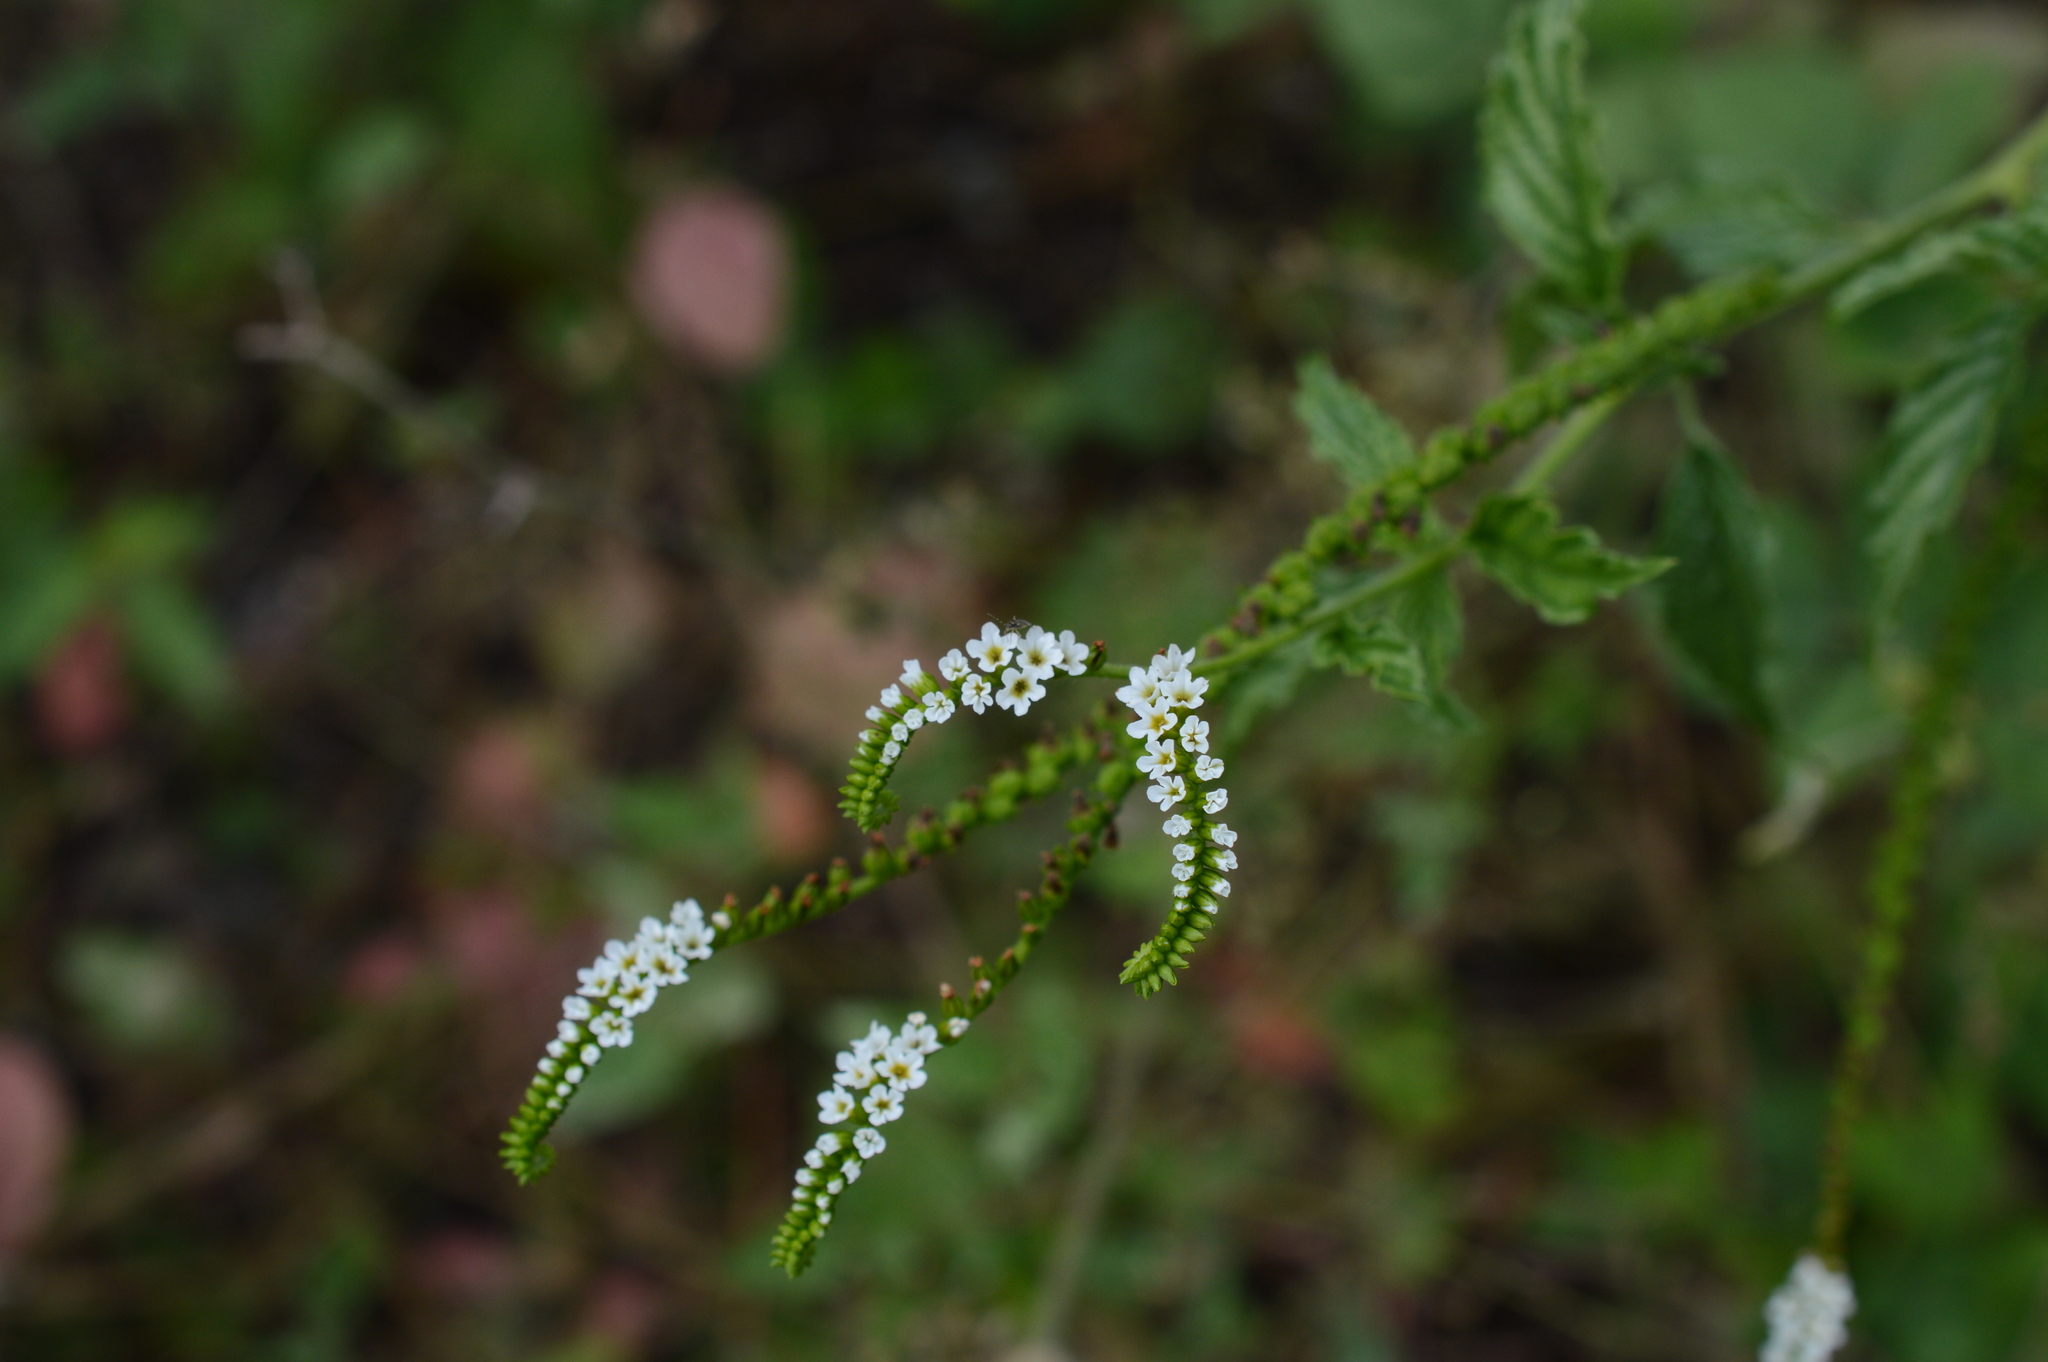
834	1105
721	919
1223	860
954	665
891	697
1215	801
1208	768
868	1142
1159	759
1185	851
1194	734
1184	690
903	1066
1039	654
891	751
913	672
992	649
1808	1316
920	1033
1177	826
1019	689
883	1104
855	1071
634	994
1075	652
1168	792
870	1046
899	732
975	693
1171	660
1153	721
1222	836
576	1008
611	1030
630	957
957	1027
691	940
1180	891
813	1159
938	707
1183	871
1143	690
685	911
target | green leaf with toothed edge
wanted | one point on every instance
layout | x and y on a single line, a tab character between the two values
1541	167
1345	429
1712	600
1563	573
1940	432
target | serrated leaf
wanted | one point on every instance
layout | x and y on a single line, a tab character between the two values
2013	247
1429	611
1376	650
1541	172
1269	684
1725	229
1346	430
1712	600
1563	573
1940	432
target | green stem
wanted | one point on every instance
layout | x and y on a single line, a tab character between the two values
1901	853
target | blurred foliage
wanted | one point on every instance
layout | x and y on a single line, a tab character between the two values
336	730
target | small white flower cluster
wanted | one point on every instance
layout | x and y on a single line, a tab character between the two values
1809	1315
867	1091
1025	661
1175	743
621	985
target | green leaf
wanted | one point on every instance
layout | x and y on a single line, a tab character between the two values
44	601
1375	649
1537	137
1345	429
1726	229
1563	573
1412	62
1940	431
1429	611
2012	248
175	643
1712	600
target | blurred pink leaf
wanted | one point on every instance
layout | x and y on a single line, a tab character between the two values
711	277
793	814
35	1137
81	695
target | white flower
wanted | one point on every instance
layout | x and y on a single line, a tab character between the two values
824	1218
855	1071
691	940
1040	654
597	981
1194	734
913	672
1143	690
1216	800
653	932
871	1046
576	1007
992	649
1224	860
850	1170
1184	690
665	967
1168	792
1154	720
975	693
829	1143
1218	886
548	1067
1208	768
883	1104
611	1030
873	715
559	1047
957	1027
685	912
938	707
574	1074
813	1159
1166	663
834	1188
1183	871
634	995
954	665
921	1034
899	732
1180	891
804	1176
629	956
1177	826
891	697
891	751
1019	689
913	718
868	1142
860	739
721	919
1184	852
1075	652
834	1105
1158	759
590	1054
903	1066
1809	1314
1222	836
568	1032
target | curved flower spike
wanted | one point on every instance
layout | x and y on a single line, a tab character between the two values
1808	1316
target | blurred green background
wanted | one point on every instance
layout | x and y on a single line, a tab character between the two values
464	467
